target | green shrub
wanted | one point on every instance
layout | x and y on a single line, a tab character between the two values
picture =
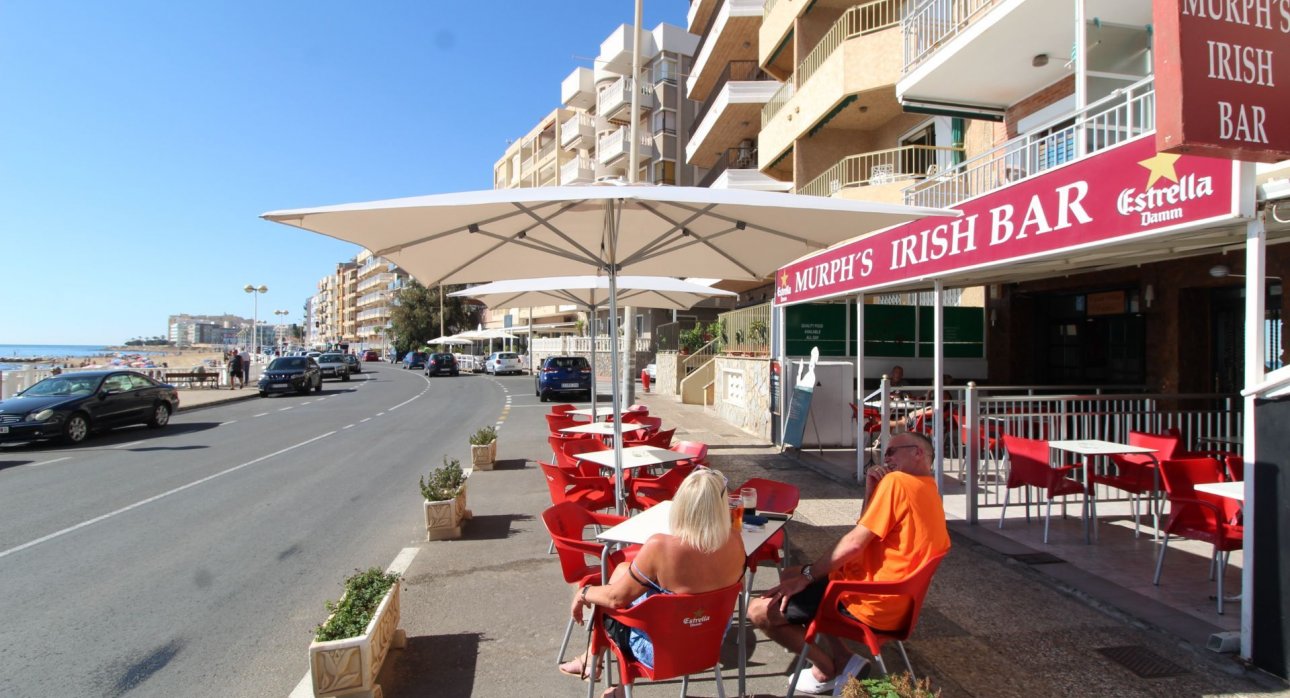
445	482
897	686
351	615
484	436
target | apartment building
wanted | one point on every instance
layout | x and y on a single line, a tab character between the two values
186	330
378	283
588	139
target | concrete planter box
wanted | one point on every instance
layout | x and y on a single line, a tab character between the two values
349	667
443	518
483	457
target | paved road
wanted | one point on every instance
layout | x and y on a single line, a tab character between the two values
195	561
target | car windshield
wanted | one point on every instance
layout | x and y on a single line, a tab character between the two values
508	357
287	363
331	358
62	385
567	362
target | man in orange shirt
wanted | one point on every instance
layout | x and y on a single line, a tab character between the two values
903	524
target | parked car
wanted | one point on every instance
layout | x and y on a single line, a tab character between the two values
563	374
414	359
439	364
500	362
333	365
355	366
72	405
371	355
285	374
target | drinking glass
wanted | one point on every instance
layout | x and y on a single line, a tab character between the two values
736	504
749	496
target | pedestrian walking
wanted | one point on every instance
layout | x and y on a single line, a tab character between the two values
246	368
235	370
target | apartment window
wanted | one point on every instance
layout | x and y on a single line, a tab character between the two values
665	121
664	172
664	70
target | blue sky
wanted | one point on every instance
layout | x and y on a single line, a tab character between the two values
140	140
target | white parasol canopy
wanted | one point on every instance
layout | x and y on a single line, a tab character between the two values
451	339
543	231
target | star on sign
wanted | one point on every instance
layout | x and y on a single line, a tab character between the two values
783	278
1162	165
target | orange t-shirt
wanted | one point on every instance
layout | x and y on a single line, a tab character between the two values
907	517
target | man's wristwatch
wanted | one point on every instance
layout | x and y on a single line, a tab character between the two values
806	572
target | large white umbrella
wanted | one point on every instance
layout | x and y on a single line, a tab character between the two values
451	339
654	230
592	293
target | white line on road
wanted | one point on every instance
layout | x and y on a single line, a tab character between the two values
231	421
47	462
154	498
284	409
262	414
400	566
127	445
365	419
347	426
380	414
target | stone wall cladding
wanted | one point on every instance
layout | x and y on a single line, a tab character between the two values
666	365
752	414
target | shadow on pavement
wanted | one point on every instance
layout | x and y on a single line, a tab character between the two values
492	526
433	666
510	464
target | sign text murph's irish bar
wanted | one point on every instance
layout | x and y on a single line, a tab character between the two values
1126	191
1222	76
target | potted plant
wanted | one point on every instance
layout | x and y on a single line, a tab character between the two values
897	686
445	500
483	448
349	647
692	340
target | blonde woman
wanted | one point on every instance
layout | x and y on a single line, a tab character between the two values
700	555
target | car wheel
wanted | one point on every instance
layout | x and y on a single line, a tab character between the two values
160	416
454	373
76	429
264	393
544	396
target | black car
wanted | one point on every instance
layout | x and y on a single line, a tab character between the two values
563	374
291	374
71	405
439	364
355	366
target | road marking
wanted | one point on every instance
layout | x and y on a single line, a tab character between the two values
305	403
400	565
48	462
231	421
380	414
257	415
365	419
347	426
127	445
156	497
284	409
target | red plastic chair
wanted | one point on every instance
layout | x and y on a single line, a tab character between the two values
562	409
566	456
832	621
556	422
659	439
1235	468
1197	515
1135	473
697	449
686	629
1028	466
778	497
591	493
644	492
567	523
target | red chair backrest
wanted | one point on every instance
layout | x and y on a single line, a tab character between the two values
556	422
1028	462
567	522
642	409
1180	476
697	449
660	439
1166	444
686	630
831	621
565	455
774	496
1235	467
561	409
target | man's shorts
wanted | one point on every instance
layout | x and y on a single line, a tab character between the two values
803	605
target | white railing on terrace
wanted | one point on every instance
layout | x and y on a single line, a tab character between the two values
767	7
576	169
617	94
571	127
1124	114
856	21
777	101
546	149
976	418
879	167
934	22
582	345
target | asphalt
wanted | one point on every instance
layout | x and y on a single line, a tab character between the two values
485	614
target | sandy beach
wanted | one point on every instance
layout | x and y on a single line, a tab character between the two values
125	356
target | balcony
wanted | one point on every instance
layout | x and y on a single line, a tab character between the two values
614	103
736	168
614	147
894	166
857	59
1124	115
730	113
578	170
731	35
979	57
616	49
579	131
578	90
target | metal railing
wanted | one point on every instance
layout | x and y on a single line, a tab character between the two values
734	158
880	167
933	23
582	345
739	71
857	21
746	330
1124	114
699	357
768	7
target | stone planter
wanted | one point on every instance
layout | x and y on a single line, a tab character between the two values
443	518
349	667
483	457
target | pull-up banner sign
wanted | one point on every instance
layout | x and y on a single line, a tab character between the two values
1123	192
1222	77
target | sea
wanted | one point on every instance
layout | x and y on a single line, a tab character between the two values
51	351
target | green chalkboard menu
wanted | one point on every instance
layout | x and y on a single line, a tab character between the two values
889	330
821	325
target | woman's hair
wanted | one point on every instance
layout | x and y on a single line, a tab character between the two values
700	516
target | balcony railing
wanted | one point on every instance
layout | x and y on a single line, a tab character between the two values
615	145
766	9
738	71
857	21
880	167
1124	114
933	23
747	330
577	170
617	95
733	158
575	126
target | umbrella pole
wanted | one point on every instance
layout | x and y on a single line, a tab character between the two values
611	225
591	318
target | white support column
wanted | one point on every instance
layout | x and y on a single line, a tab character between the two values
859	394
938	380
1255	296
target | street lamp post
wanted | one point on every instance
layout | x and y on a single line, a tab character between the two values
281	324
255	292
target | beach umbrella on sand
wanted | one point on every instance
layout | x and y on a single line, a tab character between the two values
592	293
495	234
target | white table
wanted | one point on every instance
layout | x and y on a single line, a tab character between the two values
597	428
1229	490
1087	448
635	457
638	529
